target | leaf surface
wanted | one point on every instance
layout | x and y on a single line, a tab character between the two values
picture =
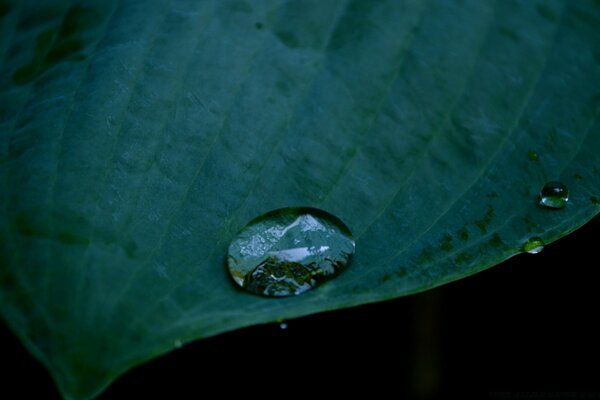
137	138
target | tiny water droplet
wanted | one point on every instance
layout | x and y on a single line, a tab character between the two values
554	195
534	245
533	156
289	251
177	343
283	326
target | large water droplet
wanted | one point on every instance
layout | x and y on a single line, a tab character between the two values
554	195
534	245
289	251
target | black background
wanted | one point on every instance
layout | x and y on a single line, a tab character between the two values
527	328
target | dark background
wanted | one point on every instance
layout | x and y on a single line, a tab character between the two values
528	326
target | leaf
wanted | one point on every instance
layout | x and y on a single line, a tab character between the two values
137	140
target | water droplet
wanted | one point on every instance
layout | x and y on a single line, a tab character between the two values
534	245
554	195
533	156
177	343
289	251
283	326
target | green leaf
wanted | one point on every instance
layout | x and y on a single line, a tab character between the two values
138	137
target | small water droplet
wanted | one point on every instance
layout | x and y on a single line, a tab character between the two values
177	343
554	195
534	245
283	326
289	251
533	156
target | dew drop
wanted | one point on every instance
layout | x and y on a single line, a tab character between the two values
534	245
554	195
283	326
288	251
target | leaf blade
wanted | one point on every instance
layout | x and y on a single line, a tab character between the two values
130	168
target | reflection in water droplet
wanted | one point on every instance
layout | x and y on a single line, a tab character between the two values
289	251
554	195
534	245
